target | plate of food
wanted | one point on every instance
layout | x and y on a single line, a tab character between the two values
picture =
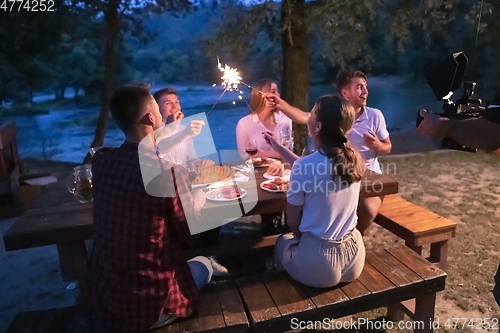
285	175
207	172
262	162
275	185
276	169
226	193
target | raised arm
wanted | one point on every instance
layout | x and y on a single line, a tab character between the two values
285	153
167	143
295	114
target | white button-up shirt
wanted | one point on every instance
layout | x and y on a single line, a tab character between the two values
250	127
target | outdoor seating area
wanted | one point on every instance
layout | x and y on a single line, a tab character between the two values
255	303
273	302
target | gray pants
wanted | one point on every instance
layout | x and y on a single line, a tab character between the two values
318	262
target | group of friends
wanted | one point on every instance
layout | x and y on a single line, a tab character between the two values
141	279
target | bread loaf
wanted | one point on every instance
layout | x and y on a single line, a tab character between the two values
275	169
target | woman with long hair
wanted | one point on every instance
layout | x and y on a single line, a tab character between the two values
264	117
322	201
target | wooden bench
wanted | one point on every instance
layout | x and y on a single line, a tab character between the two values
417	226
269	302
221	310
388	278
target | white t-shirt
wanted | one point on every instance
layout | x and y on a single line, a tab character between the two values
329	205
370	120
250	127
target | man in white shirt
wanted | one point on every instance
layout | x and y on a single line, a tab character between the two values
170	109
368	135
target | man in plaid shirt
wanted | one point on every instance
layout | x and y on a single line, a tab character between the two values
141	279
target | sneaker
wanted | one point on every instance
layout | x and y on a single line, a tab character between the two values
218	269
164	320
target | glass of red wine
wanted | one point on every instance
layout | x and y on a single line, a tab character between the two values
251	149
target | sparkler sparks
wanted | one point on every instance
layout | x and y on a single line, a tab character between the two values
231	78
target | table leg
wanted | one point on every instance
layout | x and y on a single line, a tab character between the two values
411	245
74	262
424	313
439	253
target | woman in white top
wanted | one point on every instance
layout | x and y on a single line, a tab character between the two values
322	201
264	117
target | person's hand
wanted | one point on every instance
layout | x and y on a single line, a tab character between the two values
199	199
273	99
195	127
371	140
432	125
271	140
178	115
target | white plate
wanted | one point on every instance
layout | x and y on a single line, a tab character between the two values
240	179
266	164
269	190
216	195
286	175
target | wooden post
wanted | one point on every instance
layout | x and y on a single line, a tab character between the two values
424	313
439	253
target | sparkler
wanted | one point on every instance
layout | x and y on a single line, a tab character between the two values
230	81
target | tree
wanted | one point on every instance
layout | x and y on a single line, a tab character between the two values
295	50
361	34
29	42
118	15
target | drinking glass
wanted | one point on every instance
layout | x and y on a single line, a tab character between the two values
93	150
80	183
286	138
191	169
251	149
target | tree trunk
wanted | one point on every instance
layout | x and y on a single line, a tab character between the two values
29	97
295	51
112	29
76	93
60	92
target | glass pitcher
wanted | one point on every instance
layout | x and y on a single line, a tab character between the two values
80	183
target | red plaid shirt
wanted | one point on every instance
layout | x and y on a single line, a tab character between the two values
138	269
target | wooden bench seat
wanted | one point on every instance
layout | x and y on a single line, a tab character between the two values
221	310
417	226
388	278
269	302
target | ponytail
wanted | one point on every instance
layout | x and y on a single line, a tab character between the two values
346	161
337	117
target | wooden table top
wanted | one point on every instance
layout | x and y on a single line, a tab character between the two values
57	217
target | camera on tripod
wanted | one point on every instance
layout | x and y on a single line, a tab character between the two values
444	77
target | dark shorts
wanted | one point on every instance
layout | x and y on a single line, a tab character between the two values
496	289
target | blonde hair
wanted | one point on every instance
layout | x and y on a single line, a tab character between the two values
257	102
337	116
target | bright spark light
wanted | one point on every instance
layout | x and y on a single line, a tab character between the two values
231	77
240	97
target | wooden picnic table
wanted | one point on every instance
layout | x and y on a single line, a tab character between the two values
57	218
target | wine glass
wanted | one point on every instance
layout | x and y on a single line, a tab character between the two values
191	169
251	149
286	138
